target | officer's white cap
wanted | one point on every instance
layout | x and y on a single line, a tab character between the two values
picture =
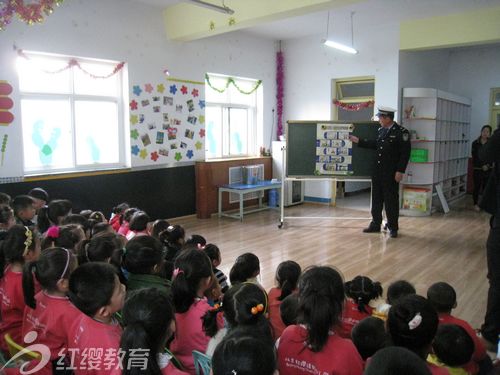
384	111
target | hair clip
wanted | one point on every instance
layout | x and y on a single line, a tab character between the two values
170	228
234	372
29	240
53	232
201	247
177	272
415	322
257	309
216	307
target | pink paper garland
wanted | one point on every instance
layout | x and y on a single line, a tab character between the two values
74	62
280	78
29	13
353	107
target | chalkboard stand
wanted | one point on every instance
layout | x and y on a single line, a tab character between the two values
309	178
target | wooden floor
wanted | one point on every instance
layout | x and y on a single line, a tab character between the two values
442	247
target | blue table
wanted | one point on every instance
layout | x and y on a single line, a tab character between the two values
241	190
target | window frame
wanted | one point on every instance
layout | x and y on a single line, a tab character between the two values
494	109
252	130
72	97
337	92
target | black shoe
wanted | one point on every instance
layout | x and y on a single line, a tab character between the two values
393	233
372	228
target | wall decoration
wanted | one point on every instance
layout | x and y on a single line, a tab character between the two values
353	107
6	104
280	78
167	122
4	147
30	13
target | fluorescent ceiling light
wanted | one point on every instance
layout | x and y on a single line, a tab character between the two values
339	46
217	8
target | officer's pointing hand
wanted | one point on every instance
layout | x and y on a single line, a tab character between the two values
353	138
398	176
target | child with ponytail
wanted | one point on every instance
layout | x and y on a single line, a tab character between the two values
49	313
148	320
314	343
20	245
287	277
359	291
191	278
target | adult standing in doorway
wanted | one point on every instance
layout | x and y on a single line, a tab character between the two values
393	152
490	330
481	169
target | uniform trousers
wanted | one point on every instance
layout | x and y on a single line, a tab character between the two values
385	193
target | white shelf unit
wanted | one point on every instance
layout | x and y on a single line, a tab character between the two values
439	122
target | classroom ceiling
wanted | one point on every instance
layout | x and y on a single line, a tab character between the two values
368	14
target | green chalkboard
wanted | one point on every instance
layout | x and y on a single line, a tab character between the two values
301	149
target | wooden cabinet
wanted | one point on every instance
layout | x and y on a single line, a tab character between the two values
211	174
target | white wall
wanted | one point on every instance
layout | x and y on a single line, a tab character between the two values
310	67
473	72
133	32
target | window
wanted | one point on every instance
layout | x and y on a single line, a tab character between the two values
231	116
72	119
354	91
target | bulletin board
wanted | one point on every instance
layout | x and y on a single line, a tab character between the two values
167	122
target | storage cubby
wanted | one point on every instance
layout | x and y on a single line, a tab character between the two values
439	124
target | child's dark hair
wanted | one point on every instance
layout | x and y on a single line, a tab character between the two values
321	300
18	242
227	306
453	345
190	268
39	193
442	297
101	228
243	355
212	251
98	249
287	276
142	254
98	216
159	226
246	266
147	316
289	309
64	236
395	360
91	286
53	265
6	214
412	323
21	202
50	214
77	219
5	199
173	234
128	213
399	289
120	209
250	305
362	290
369	336
139	221
86	213
196	239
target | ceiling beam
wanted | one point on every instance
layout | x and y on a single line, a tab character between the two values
185	21
464	29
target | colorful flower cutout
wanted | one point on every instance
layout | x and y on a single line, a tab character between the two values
149	88
160	88
190	154
134	134
143	154
198	145
201	119
202	133
195	93
133	105
173	89
154	156
134	119
135	150
137	90
201	103
178	156
184	89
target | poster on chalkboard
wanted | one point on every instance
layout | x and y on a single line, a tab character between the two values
334	149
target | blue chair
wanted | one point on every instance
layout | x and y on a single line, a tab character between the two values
202	363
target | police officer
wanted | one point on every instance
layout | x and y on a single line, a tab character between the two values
393	152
